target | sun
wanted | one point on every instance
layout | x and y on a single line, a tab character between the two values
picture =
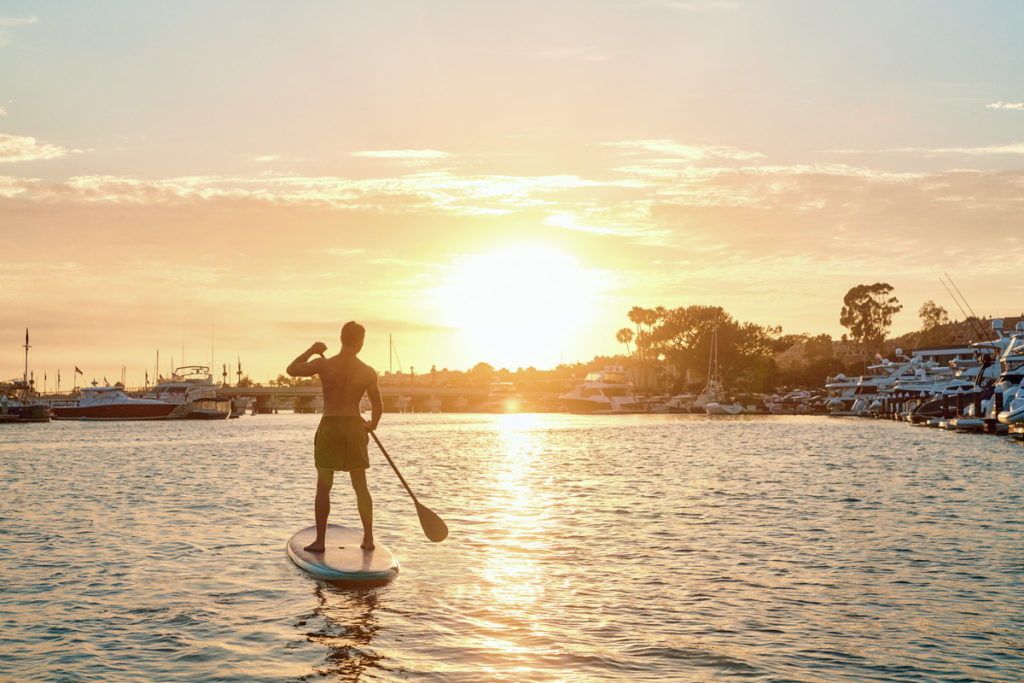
520	304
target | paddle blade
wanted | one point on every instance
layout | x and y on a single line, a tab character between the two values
433	526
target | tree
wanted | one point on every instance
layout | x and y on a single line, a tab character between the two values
867	312
624	336
932	315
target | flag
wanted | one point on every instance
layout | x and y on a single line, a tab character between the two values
78	372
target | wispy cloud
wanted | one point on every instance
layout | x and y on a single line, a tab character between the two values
25	148
435	192
1015	106
19	21
988	150
672	150
1014	148
405	157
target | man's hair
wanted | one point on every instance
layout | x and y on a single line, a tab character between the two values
352	334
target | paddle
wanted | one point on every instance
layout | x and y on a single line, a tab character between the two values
433	526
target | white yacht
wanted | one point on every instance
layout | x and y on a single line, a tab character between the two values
107	403
604	391
192	393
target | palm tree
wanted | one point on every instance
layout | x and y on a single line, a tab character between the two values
624	336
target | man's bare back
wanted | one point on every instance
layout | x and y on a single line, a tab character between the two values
344	379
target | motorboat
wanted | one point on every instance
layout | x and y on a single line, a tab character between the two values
503	398
605	391
108	403
18	403
192	395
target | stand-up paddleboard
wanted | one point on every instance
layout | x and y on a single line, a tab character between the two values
342	559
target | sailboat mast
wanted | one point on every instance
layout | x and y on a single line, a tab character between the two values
27	347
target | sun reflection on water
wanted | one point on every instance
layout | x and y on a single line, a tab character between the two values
512	571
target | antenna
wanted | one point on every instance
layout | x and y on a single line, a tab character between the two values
973	318
393	349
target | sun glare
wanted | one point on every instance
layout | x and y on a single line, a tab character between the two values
521	304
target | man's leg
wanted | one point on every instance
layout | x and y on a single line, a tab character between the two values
321	507
365	504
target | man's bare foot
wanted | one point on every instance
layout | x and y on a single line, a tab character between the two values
367	544
314	547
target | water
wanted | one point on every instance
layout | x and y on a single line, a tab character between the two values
582	548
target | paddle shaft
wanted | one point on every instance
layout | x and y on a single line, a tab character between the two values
392	463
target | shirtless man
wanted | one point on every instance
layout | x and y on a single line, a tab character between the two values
341	438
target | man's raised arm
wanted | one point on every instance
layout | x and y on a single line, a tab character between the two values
302	366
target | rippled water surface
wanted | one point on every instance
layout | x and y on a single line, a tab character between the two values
582	548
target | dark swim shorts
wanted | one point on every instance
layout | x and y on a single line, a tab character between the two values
340	443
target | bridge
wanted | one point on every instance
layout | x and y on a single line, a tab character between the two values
403	398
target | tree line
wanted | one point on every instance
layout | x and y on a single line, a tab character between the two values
681	340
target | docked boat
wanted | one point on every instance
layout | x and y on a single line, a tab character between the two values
604	391
712	398
18	403
107	403
503	398
192	395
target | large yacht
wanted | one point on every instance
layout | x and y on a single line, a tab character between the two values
192	395
604	391
107	403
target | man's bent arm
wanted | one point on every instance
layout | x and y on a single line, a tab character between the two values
302	366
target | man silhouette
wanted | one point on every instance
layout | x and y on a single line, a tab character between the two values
341	439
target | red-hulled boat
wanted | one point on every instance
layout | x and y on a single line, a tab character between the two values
109	403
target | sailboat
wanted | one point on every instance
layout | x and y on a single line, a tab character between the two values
712	398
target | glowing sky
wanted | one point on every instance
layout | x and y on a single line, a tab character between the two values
491	181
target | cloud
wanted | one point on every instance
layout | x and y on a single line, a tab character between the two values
405	157
674	152
1015	106
24	148
18	21
3	112
989	150
1014	148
